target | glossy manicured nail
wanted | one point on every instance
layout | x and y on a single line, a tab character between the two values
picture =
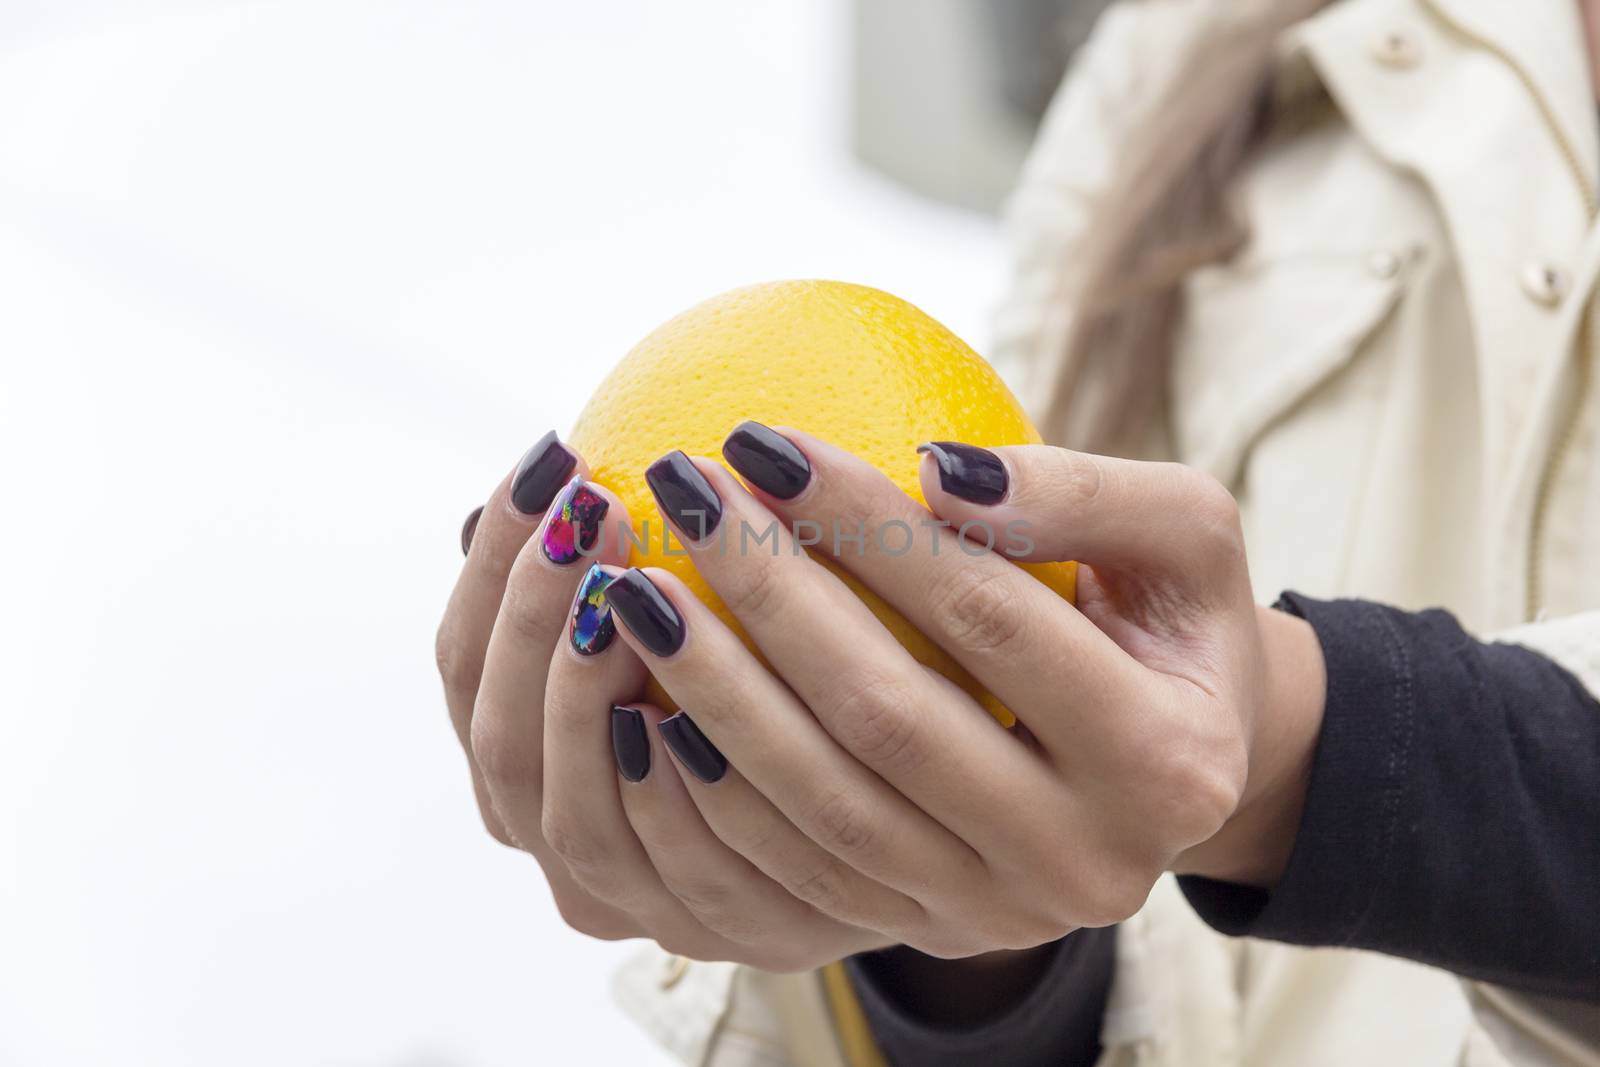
544	469
469	528
574	526
685	495
971	473
593	629
693	749
646	612
630	743
767	459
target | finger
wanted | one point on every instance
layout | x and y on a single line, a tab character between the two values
491	539
988	614
533	628
864	688
751	825
726	891
571	808
1061	505
747	713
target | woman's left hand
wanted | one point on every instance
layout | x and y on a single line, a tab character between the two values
1167	719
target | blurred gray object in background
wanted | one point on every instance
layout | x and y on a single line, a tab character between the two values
948	93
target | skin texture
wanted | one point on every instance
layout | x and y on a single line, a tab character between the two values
1168	721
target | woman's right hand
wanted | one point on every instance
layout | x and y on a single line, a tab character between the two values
509	620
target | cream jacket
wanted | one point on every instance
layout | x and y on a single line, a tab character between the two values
1396	378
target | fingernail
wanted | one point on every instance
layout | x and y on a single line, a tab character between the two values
767	459
469	528
574	526
685	495
544	469
692	748
630	743
593	629
971	473
647	613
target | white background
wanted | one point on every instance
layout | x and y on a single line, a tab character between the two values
285	288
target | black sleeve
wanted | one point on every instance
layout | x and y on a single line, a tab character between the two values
1453	810
1056	1023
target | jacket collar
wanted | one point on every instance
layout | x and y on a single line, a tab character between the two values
1543	41
1487	103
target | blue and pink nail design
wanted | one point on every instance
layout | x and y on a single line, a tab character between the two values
593	628
574	526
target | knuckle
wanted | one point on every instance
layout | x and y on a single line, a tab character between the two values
842	826
751	588
459	669
1076	481
526	614
719	909
825	888
876	722
751	837
496	829
978	613
1214	512
500	761
1120	898
584	855
1101	894
1200	786
590	917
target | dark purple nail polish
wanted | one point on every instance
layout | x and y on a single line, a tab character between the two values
646	612
574	526
767	459
630	743
971	473
469	528
684	495
544	469
593	629
693	749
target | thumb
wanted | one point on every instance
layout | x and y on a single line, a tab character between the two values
1041	503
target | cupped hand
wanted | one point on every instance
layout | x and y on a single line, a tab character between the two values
883	797
534	684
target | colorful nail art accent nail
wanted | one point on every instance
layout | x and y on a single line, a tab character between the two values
593	629
574	526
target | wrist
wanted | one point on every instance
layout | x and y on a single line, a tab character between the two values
1253	846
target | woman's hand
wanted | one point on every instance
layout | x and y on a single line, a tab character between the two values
883	797
525	660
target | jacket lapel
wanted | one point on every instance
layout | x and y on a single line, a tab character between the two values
1488	103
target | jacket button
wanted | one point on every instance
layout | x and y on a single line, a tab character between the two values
1545	283
1384	264
1397	48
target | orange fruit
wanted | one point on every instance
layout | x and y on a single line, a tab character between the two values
861	369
